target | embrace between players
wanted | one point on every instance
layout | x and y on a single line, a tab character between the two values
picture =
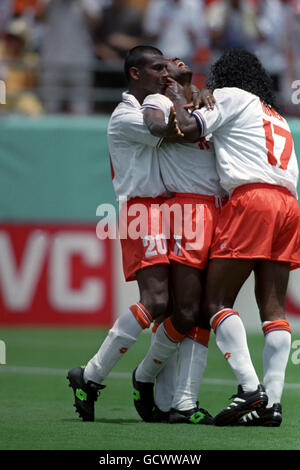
232	163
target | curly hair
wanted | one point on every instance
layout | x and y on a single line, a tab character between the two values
241	69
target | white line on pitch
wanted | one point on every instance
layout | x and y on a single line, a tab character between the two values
113	375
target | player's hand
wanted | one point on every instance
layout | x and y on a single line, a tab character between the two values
174	90
173	127
201	98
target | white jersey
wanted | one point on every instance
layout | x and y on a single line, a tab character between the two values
253	143
186	167
133	152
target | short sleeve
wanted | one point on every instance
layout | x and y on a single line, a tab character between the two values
158	101
229	104
131	127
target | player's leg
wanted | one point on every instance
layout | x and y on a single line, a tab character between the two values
188	257
193	351
152	275
192	358
166	380
186	279
165	385
153	285
153	288
225	278
188	285
271	280
187	294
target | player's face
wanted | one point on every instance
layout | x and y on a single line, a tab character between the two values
154	74
177	68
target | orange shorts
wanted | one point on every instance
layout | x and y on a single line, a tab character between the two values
260	221
193	221
141	232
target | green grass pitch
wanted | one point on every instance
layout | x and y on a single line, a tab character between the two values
37	405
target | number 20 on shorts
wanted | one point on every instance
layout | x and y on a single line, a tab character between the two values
155	245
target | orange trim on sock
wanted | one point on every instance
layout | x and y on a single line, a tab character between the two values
141	314
155	326
221	316
171	332
199	335
277	325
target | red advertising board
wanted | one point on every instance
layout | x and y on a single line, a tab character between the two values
292	308
62	274
53	274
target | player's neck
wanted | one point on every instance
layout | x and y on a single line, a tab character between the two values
140	95
188	91
185	81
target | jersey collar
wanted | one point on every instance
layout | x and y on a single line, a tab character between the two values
130	99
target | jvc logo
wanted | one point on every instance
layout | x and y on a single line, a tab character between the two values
2	92
2	352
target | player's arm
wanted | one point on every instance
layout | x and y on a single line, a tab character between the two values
204	121
186	121
132	127
155	121
203	97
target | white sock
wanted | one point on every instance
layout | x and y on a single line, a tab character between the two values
163	346
232	341
166	381
275	357
193	358
120	338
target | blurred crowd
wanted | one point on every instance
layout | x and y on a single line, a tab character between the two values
67	55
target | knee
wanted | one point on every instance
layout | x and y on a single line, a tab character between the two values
186	317
156	304
203	320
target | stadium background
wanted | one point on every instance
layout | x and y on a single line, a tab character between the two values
57	278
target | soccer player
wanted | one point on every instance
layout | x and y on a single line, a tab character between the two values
258	230
137	178
189	171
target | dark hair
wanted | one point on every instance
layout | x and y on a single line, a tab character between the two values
136	57
242	69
